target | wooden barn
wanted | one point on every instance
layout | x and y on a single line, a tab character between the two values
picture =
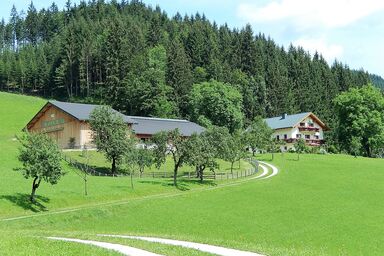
67	123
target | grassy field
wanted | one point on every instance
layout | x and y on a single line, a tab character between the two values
68	193
320	205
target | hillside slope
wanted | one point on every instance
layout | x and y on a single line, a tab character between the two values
15	112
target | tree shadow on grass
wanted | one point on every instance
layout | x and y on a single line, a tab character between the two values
23	201
166	183
182	185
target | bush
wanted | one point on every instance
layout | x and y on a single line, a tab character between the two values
322	151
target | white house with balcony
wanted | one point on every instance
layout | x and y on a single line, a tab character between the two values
290	128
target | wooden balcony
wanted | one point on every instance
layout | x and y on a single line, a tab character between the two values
310	142
308	129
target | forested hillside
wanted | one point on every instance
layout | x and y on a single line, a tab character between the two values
143	62
378	81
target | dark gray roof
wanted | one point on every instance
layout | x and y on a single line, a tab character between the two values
287	122
83	111
150	125
140	125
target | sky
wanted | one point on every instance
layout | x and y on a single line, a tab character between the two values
350	31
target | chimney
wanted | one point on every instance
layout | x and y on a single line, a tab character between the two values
283	116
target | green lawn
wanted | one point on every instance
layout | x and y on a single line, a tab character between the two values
320	205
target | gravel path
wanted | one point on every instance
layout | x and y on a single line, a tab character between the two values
218	250
275	171
123	249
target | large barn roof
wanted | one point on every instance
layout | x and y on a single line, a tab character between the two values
83	111
150	125
288	121
140	125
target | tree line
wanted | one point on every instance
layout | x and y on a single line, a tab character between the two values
143	62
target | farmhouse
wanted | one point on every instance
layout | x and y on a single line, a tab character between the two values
68	124
290	128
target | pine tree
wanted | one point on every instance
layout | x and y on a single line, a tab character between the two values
179	75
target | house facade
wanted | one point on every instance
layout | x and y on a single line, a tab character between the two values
290	128
68	124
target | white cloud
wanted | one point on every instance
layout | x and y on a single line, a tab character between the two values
330	52
311	13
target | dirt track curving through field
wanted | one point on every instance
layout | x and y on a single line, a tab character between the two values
217	250
123	249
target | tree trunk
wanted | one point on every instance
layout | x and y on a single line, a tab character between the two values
298	156
175	174
34	187
232	167
131	174
201	173
113	165
273	156
85	184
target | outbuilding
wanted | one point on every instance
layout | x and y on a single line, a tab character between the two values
68	124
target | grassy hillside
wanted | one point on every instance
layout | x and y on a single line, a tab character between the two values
15	112
320	205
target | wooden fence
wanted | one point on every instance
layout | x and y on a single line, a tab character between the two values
162	175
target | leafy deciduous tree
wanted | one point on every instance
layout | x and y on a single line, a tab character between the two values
41	159
109	134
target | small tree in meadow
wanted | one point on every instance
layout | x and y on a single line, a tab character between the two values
109	134
234	150
144	159
173	143
202	153
274	145
258	135
130	158
300	147
41	158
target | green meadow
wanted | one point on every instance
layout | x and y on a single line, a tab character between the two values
319	205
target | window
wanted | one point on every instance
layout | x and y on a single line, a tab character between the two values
317	137
285	136
311	125
278	137
307	137
302	124
298	135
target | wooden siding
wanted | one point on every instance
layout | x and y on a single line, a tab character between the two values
58	125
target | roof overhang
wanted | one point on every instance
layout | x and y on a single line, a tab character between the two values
42	111
317	119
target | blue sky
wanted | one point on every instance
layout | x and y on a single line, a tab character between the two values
348	30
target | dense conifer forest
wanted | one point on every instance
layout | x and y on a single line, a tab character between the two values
143	62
